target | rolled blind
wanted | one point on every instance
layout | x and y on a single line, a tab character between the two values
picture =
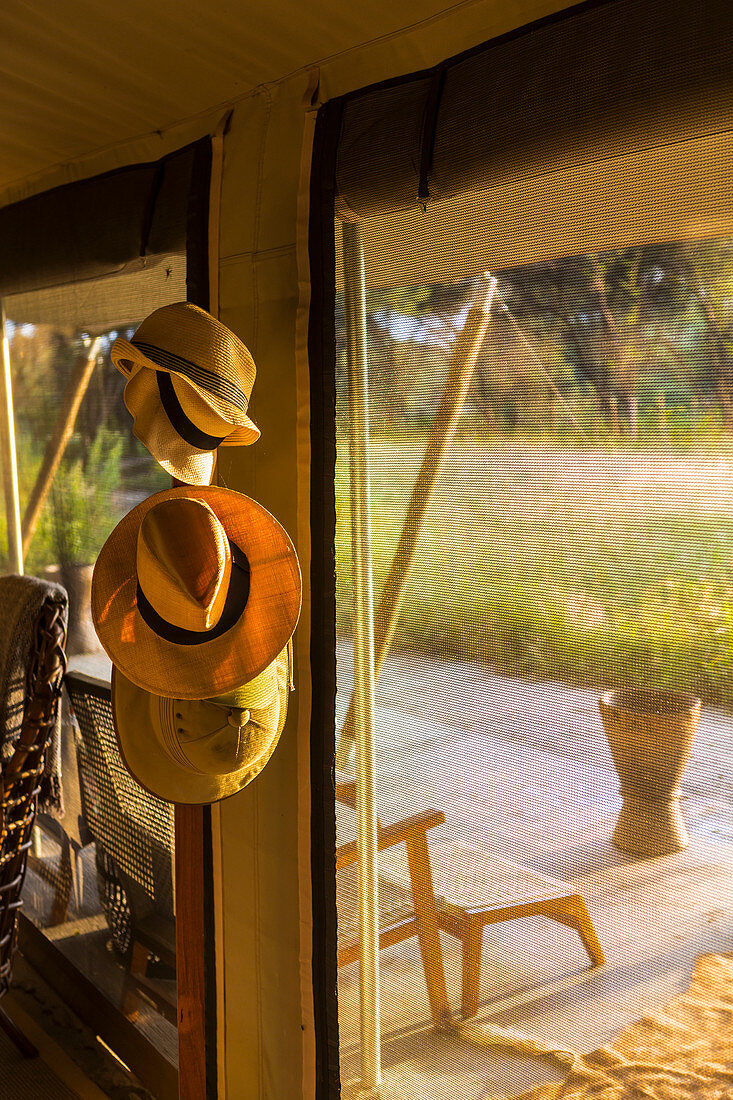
642	73
103	225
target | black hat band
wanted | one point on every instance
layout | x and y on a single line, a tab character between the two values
234	605
185	427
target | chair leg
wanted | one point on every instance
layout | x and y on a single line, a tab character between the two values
139	956
472	939
24	1045
573	913
65	885
77	873
428	936
60	878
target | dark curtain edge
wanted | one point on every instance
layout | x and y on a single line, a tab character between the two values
197	227
321	355
197	292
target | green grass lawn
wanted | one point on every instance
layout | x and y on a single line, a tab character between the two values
589	565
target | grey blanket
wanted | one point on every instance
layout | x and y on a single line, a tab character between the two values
21	599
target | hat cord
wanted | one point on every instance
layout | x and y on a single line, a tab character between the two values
234	605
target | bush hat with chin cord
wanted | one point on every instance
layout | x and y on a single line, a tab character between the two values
189	385
200	751
195	592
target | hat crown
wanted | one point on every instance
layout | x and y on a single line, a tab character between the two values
185	330
184	563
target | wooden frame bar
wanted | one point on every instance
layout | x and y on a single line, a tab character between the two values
194	947
91	1006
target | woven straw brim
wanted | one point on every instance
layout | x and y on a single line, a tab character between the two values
128	359
222	664
139	718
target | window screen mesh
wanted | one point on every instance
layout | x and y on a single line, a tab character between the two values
576	541
100	881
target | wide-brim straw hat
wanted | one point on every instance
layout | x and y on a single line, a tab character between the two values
189	386
242	569
196	752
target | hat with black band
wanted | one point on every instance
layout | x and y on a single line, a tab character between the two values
195	592
189	386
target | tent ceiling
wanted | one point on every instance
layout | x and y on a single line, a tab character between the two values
78	75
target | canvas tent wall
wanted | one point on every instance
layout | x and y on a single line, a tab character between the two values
89	91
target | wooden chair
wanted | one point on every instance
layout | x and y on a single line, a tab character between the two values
35	661
403	911
475	888
455	888
133	836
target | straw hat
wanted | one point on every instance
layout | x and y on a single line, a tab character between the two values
203	750
195	592
190	381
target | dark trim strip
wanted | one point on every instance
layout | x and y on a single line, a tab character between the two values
427	143
197	227
185	427
147	223
322	358
195	923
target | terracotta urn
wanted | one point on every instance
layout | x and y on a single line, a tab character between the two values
650	734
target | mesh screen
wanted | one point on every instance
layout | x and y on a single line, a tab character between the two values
575	542
134	828
100	881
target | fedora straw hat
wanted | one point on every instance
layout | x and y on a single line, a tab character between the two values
199	751
195	592
189	384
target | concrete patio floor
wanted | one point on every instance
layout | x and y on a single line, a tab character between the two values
523	770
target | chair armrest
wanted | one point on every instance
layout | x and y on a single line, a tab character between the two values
396	833
346	793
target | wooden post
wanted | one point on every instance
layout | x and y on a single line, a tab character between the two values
10	461
457	383
194	945
661	415
192	949
73	397
615	422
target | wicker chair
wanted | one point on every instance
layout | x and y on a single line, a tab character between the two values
34	663
133	835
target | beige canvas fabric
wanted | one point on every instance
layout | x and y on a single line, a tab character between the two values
212	375
199	751
175	556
